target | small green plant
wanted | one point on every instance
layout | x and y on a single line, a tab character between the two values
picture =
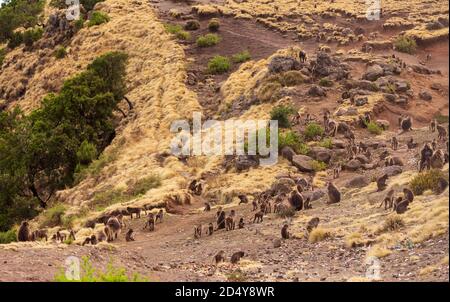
373	128
53	216
79	24
98	18
60	52
178	31
15	40
208	40
219	64
8	236
281	114
325	82
313	130
318	166
86	153
428	180
241	57
89	274
214	24
405	44
326	143
293	140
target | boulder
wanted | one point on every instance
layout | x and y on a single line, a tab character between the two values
352	165
283	63
316	90
425	95
321	154
392	170
339	144
282	185
362	159
373	73
303	163
245	162
361	101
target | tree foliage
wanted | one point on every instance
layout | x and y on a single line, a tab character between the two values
39	152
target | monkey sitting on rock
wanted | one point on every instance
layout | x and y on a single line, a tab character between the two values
334	196
284	232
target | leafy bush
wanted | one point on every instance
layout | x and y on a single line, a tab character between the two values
8	236
89	4
98	18
293	140
19	13
60	52
241	57
32	35
326	143
373	128
440	118
219	64
208	40
15	39
86	153
53	216
318	165
312	130
405	44
281	114
89	274
325	82
213	24
428	180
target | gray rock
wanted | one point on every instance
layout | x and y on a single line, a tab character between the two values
282	185
425	95
352	165
373	73
361	101
316	90
392	170
321	154
276	243
390	97
282	64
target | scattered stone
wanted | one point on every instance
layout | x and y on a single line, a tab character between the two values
352	165
359	181
373	73
425	95
303	163
316	90
361	101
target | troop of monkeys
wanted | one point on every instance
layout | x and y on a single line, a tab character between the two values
24	233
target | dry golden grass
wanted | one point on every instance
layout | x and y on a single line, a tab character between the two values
319	234
379	251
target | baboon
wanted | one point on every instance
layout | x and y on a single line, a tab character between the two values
394	143
258	217
198	189
207	207
438	159
236	257
296	200
362	147
229	223
24	232
284	232
210	229
408	195
425	157
219	257
411	144
393	161
159	216
428	56
334	196
87	240
388	200
433	124
39	234
302	56
113	225
101	236
434	145
198	231
442	132
277	207
241	223
61	237
192	185
129	236
400	205
255	205
336	171
221	220
295	120
312	224
406	123
307	205
136	211
442	185
381	182
242	199
150	223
